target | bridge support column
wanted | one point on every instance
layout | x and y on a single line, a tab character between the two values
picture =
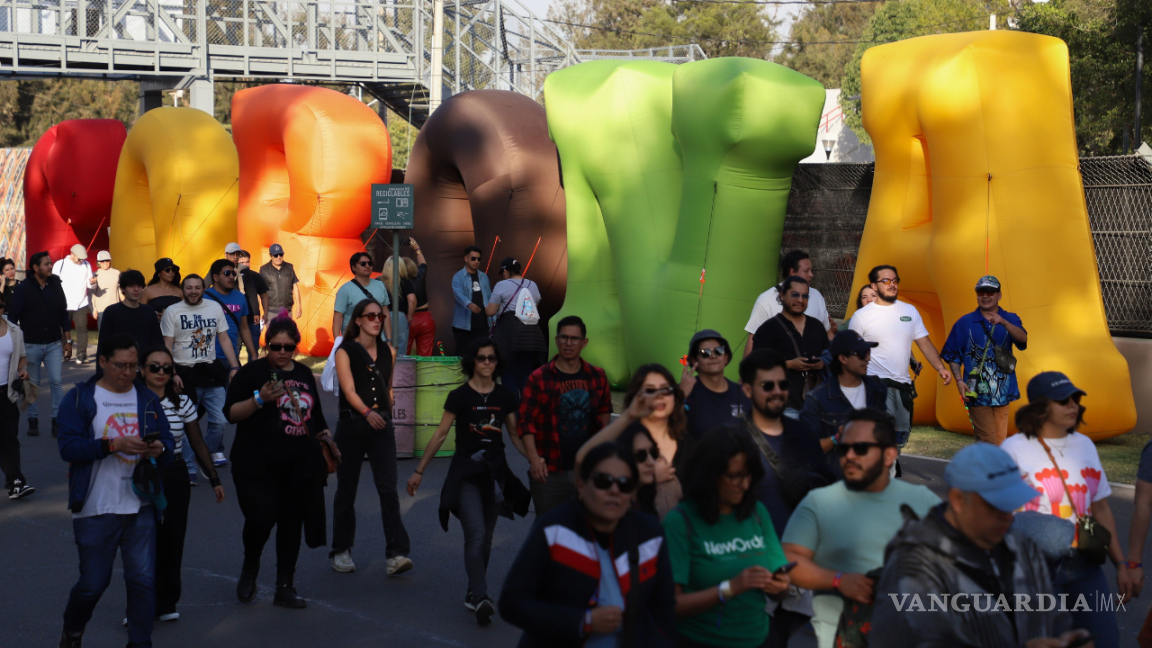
152	93
202	95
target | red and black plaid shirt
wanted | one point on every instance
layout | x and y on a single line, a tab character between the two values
538	415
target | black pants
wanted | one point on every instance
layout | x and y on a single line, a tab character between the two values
784	623
270	495
9	439
356	439
464	338
170	535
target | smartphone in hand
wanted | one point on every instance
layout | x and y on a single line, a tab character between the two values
784	569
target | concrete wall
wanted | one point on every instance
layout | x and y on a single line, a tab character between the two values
1138	353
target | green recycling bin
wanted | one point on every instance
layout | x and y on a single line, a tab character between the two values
435	377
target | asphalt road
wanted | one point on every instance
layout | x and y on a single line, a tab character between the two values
423	607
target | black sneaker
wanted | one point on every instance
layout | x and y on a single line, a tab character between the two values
55	429
70	639
471	601
20	489
33	427
484	611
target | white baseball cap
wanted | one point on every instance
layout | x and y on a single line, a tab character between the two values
232	248
103	255
79	251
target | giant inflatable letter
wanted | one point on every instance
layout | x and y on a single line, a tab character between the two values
176	192
308	158
68	185
483	167
670	171
976	173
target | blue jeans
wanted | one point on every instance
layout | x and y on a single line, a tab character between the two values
212	398
52	355
1074	576
97	538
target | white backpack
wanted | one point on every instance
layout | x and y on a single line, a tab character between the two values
526	307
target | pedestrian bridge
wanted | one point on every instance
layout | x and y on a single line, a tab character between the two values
386	46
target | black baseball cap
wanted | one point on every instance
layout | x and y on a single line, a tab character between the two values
849	341
1052	385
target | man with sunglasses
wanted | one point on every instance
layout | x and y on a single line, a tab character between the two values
362	286
283	284
251	285
798	338
970	349
223	277
715	401
895	325
471	291
837	534
794	264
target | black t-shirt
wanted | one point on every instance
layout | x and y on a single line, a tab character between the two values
479	320
707	409
254	286
573	414
771	335
479	417
140	322
420	285
405	290
293	418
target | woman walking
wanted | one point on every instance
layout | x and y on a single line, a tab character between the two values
479	485
721	594
567	585
522	345
1064	468
277	463
364	365
13	365
163	289
157	369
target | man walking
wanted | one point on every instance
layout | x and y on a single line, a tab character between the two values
192	328
471	289
794	264
965	552
105	284
252	285
985	386
41	310
562	405
894	325
838	533
283	285
798	338
710	399
76	279
130	316
362	286
104	422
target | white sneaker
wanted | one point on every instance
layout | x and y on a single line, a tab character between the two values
342	562
398	565
171	616
218	459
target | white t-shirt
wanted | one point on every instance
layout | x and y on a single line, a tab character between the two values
74	280
894	328
855	395
178	416
767	307
193	330
5	357
110	490
1078	460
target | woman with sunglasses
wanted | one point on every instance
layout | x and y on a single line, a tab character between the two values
163	289
666	423
567	585
157	370
364	366
1047	448
725	552
479	485
277	463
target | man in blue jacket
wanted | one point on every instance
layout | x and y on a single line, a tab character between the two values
471	290
107	425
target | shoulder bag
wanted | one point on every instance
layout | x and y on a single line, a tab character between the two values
1092	538
795	481
811	379
1001	355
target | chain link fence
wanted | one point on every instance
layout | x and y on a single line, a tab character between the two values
829	203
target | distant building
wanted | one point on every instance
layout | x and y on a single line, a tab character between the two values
845	147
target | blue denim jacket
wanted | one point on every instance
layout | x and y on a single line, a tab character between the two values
462	291
80	449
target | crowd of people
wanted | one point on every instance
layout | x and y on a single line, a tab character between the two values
709	512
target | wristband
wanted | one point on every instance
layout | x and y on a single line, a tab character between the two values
1133	565
587	627
366	412
836	580
256	397
724	590
235	369
419	472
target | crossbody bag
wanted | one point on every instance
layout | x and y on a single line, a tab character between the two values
810	377
1092	538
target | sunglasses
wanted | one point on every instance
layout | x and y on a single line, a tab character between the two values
986	293
365	264
887	281
717	352
277	256
473	258
662	391
229	273
859	354
1073	397
860	449
169	269
642	455
281	347
372	317
486	358
157	368
770	385
604	481
796	295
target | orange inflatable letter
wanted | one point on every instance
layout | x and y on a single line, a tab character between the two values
308	158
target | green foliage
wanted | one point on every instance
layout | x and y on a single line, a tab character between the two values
720	29
29	108
1101	38
403	136
817	26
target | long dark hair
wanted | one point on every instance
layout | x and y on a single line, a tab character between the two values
860	295
710	463
468	358
646	494
1031	417
170	393
351	328
677	420
176	281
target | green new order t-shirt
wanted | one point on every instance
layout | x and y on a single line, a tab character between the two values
707	555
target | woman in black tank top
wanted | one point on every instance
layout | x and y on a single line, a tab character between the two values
364	367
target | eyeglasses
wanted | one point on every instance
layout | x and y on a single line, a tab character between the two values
642	455
662	391
568	339
887	281
486	358
281	347
121	366
860	449
770	385
157	368
739	477
365	264
229	273
604	481
372	317
717	352
796	295
277	256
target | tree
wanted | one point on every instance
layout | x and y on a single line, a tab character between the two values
29	108
811	51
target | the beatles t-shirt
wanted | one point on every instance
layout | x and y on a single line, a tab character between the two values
193	330
480	417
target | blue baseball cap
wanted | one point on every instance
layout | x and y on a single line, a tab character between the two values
1052	385
275	250
991	473
849	341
